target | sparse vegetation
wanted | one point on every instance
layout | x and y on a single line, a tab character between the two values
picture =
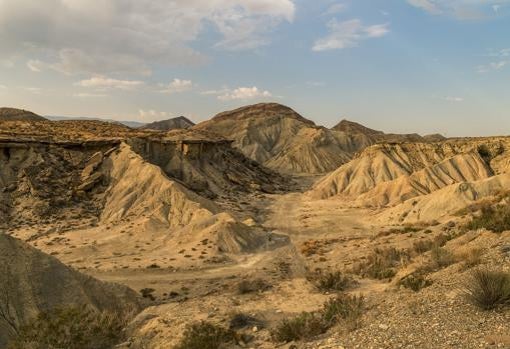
415	281
203	335
252	286
488	289
148	293
302	327
80	327
382	263
240	320
494	218
441	257
331	281
472	257
343	309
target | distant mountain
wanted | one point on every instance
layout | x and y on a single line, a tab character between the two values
376	136
353	127
132	124
281	139
171	124
19	115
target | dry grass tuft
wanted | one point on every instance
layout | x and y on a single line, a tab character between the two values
488	289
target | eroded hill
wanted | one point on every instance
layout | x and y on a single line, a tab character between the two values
13	114
31	282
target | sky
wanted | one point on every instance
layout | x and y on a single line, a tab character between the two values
426	66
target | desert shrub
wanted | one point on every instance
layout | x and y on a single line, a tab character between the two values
251	286
345	309
493	218
148	293
203	334
79	327
240	320
301	327
472	257
488	289
441	257
382	263
422	246
331	281
442	239
415	281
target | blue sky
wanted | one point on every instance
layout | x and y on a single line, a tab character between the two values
401	66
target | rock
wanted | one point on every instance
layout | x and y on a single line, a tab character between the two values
384	327
93	163
90	182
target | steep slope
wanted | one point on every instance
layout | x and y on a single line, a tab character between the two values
460	168
280	138
149	218
31	281
446	201
380	163
50	183
12	114
180	122
207	163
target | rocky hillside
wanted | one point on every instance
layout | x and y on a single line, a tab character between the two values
177	123
376	136
13	114
278	137
31	282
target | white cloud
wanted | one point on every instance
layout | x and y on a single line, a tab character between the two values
151	115
454	99
427	5
35	65
335	9
244	93
90	95
34	90
103	83
3	87
348	34
493	66
78	36
460	9
177	86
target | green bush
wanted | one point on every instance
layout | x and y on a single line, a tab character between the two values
488	289
493	218
80	327
203	335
